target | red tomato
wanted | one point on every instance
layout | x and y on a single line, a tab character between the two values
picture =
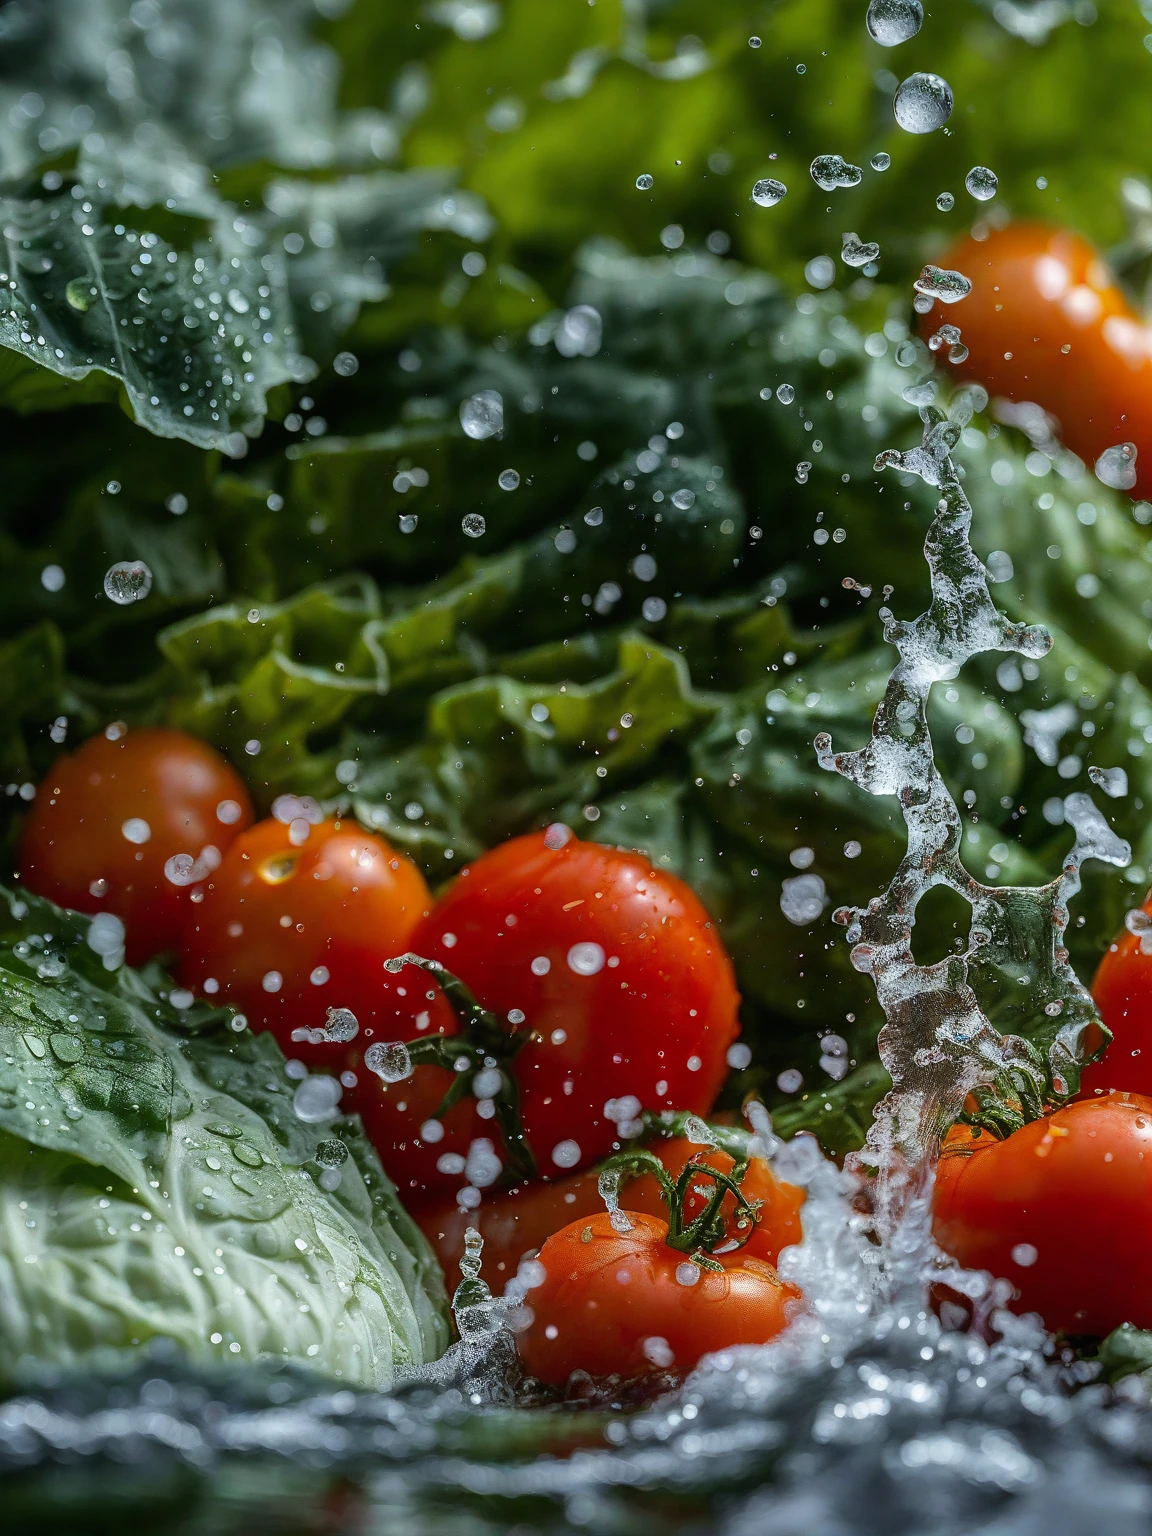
616	1303
519	1222
1060	1208
299	919
610	971
130	823
1123	992
1046	322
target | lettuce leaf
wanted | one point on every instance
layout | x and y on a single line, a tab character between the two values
156	1182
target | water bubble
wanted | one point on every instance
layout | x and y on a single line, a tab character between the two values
855	252
891	22
580	332
654	609
331	1153
880	161
136	830
832	171
389	1061
316	1098
474	525
1117	466
586	958
345	364
566	1154
644	182
981	183
803	899
128	581
945	202
820	272
508	479
482	415
105	935
52	578
923	103
785	394
738	1056
767	192
943	284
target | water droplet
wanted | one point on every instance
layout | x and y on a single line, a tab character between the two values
981	183
557	835
653	609
880	161
389	1061
832	171
474	525
408	522
586	958
767	192
785	394
802	899
923	103
580	332
508	479
945	202
820	272
856	252
683	499
482	415
128	581
687	1273
644	182
891	22
943	284
79	293
105	935
316	1098
1025	1255
331	1153
345	364
738	1056
566	1154
1117	466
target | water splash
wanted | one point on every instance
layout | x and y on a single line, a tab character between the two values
937	1042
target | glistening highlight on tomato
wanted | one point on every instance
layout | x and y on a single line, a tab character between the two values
132	823
610	984
624	1303
1061	1209
1046	322
1122	989
299	919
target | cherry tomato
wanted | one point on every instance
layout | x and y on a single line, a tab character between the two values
1046	322
1123	992
1060	1208
611	974
299	919
518	1223
624	1303
131	823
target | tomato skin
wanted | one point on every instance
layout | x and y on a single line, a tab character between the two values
1122	988
664	995
351	902
520	1221
605	1293
1077	1187
1036	291
72	838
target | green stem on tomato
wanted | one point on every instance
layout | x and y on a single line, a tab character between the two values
707	1230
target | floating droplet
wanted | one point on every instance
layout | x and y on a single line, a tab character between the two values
767	192
683	498
390	1062
580	332
802	899
128	581
1117	466
508	479
474	525
566	1154
946	336
316	1098
785	394
331	1153
855	252
923	103
943	284
880	161
482	415
891	22
981	183
644	182
586	959
945	202
832	171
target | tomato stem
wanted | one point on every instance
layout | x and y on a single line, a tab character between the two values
483	1042
709	1228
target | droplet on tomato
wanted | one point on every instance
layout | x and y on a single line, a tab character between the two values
585	959
566	1154
389	1061
557	835
658	1350
687	1274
